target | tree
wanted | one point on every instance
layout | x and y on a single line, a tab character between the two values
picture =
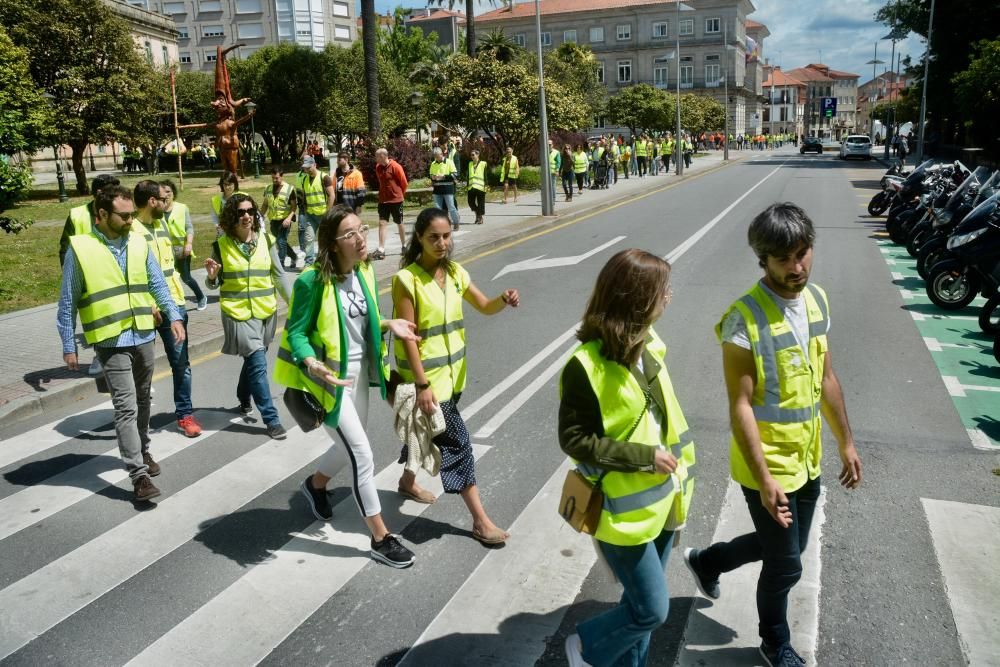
405	47
369	38
499	46
641	107
575	67
470	21
977	91
699	113
83	55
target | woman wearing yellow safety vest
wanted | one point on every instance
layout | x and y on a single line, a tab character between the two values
620	422
510	170
334	348
477	187
428	291
178	219
245	258
580	166
229	184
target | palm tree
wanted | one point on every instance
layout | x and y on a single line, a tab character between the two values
430	72
470	20
369	38
499	45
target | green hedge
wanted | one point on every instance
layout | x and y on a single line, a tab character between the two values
529	179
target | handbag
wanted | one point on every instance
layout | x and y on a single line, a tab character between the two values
307	412
581	501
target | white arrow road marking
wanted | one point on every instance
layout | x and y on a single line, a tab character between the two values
539	263
934	345
920	317
982	441
956	388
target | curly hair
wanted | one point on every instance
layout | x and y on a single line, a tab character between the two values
228	219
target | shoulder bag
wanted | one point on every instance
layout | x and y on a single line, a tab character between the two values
303	406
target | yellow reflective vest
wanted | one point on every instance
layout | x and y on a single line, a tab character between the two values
580	163
641	150
161	247
440	325
80	217
788	389
247	289
218	202
313	192
177	224
113	302
279	205
477	176
328	341
511	168
638	506
554	160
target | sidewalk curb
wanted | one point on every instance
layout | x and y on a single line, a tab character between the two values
26	407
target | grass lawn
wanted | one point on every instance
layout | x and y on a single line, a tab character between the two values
29	262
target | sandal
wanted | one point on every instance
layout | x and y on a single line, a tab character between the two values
425	496
492	538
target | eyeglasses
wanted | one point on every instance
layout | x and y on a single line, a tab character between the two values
126	215
240	212
354	234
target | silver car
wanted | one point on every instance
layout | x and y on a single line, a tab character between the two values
856	145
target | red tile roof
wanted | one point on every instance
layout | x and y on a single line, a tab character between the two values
776	77
546	7
437	14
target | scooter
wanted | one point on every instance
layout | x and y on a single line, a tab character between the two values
975	266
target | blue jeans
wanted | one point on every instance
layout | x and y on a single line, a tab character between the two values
280	234
447	203
253	381
183	265
308	225
177	355
620	637
780	549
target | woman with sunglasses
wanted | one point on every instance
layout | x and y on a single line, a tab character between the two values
334	348
245	260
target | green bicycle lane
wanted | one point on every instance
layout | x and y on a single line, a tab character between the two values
962	352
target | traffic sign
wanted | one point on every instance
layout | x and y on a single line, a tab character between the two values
829	107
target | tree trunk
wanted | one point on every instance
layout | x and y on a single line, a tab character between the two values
470	28
79	146
369	36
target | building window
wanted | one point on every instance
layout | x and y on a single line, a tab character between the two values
212	31
174	8
210	56
597	34
600	71
569	36
210	5
712	76
185	57
149	52
660	29
624	71
519	39
686	27
342	32
248	7
166	55
183	32
250	30
599	122
687	72
624	32
341	8
546	39
713	26
284	29
661	75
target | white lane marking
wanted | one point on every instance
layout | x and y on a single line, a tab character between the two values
542	262
284	590
523	588
56	493
505	412
934	345
39	601
679	251
956	388
966	540
731	622
920	317
39	439
982	441
896	275
891	262
906	294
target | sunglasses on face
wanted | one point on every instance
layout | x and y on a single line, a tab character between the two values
240	212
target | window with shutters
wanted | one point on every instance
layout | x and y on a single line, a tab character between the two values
212	31
250	30
341	9
342	32
248	7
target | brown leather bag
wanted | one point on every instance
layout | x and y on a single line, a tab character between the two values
581	502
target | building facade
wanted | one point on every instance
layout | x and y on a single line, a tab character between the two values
883	89
784	102
449	25
823	82
204	25
634	42
155	35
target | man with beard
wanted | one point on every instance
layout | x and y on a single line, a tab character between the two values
779	379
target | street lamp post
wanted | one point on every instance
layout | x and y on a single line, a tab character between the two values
251	107
725	77
871	119
63	197
543	148
678	145
923	96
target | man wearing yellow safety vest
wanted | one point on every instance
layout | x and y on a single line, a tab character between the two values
316	193
279	207
443	176
150	200
477	187
555	163
510	170
81	218
641	153
112	278
177	217
780	379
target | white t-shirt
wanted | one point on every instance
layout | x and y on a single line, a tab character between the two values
734	329
355	311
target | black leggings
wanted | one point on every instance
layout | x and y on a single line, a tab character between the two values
477	201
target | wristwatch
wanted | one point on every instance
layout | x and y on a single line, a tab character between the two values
426	385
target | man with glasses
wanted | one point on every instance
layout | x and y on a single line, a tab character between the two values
151	201
113	279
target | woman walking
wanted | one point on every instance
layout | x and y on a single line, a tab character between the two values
246	260
229	184
580	166
621	424
510	170
334	348
477	187
566	169
428	291
181	229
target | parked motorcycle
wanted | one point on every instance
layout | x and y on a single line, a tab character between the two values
975	265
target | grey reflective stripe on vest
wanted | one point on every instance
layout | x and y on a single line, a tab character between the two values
818	328
249	273
229	294
436	362
285	355
773	413
644	498
117	317
110	292
441	329
168	272
328	388
765	348
588	470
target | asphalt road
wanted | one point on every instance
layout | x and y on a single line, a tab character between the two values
230	567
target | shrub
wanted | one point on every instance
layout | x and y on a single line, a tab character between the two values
529	179
15	183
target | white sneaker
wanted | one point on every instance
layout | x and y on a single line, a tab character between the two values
203	303
574	651
95	367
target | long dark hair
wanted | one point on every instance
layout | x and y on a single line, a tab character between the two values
329	229
625	300
228	219
414	249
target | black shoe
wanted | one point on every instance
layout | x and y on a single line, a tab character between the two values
276	431
781	656
318	500
391	552
246	409
708	587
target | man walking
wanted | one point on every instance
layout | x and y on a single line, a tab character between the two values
279	206
351	189
314	189
150	199
779	378
443	176
391	193
477	187
114	280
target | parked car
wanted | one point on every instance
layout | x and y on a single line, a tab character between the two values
811	145
856	145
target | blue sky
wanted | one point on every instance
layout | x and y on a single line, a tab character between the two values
844	31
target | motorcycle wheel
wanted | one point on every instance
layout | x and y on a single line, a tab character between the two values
989	315
918	235
951	286
930	254
878	204
996	348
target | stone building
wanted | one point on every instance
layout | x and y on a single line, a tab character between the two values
823	82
